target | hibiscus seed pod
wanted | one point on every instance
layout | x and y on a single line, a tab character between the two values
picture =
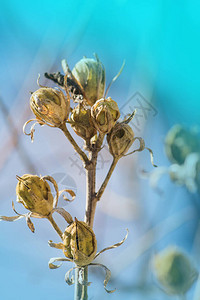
105	113
90	73
120	139
50	105
35	194
79	243
81	122
174	271
180	142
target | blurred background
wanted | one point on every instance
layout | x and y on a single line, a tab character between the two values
160	42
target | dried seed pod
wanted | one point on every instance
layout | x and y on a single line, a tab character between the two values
105	113
50	106
120	139
90	73
35	194
79	243
174	271
179	143
81	122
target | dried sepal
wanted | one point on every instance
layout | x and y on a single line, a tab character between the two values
18	217
71	192
30	223
141	148
56	259
52	180
114	79
55	245
107	278
32	130
69	280
64	214
11	219
113	246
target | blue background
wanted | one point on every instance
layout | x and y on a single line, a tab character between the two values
160	41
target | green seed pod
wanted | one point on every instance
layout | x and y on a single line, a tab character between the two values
174	271
35	194
79	243
120	139
179	143
90	73
50	105
81	123
105	113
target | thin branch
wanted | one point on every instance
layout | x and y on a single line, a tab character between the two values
104	184
82	154
55	226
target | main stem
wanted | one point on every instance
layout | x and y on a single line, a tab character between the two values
91	201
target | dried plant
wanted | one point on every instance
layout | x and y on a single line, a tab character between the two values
93	116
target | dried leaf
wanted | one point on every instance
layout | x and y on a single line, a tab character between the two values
113	246
64	214
55	259
107	278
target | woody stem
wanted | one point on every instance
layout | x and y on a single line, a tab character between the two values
91	202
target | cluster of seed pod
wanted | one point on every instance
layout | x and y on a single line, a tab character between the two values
79	243
92	114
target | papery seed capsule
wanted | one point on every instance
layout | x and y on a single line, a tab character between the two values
120	139
105	113
179	143
35	194
81	122
174	270
50	105
90	73
79	243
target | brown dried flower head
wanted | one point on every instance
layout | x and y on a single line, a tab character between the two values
105	113
50	106
81	122
79	243
120	139
90	73
35	194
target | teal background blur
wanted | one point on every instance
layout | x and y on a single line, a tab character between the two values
160	41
